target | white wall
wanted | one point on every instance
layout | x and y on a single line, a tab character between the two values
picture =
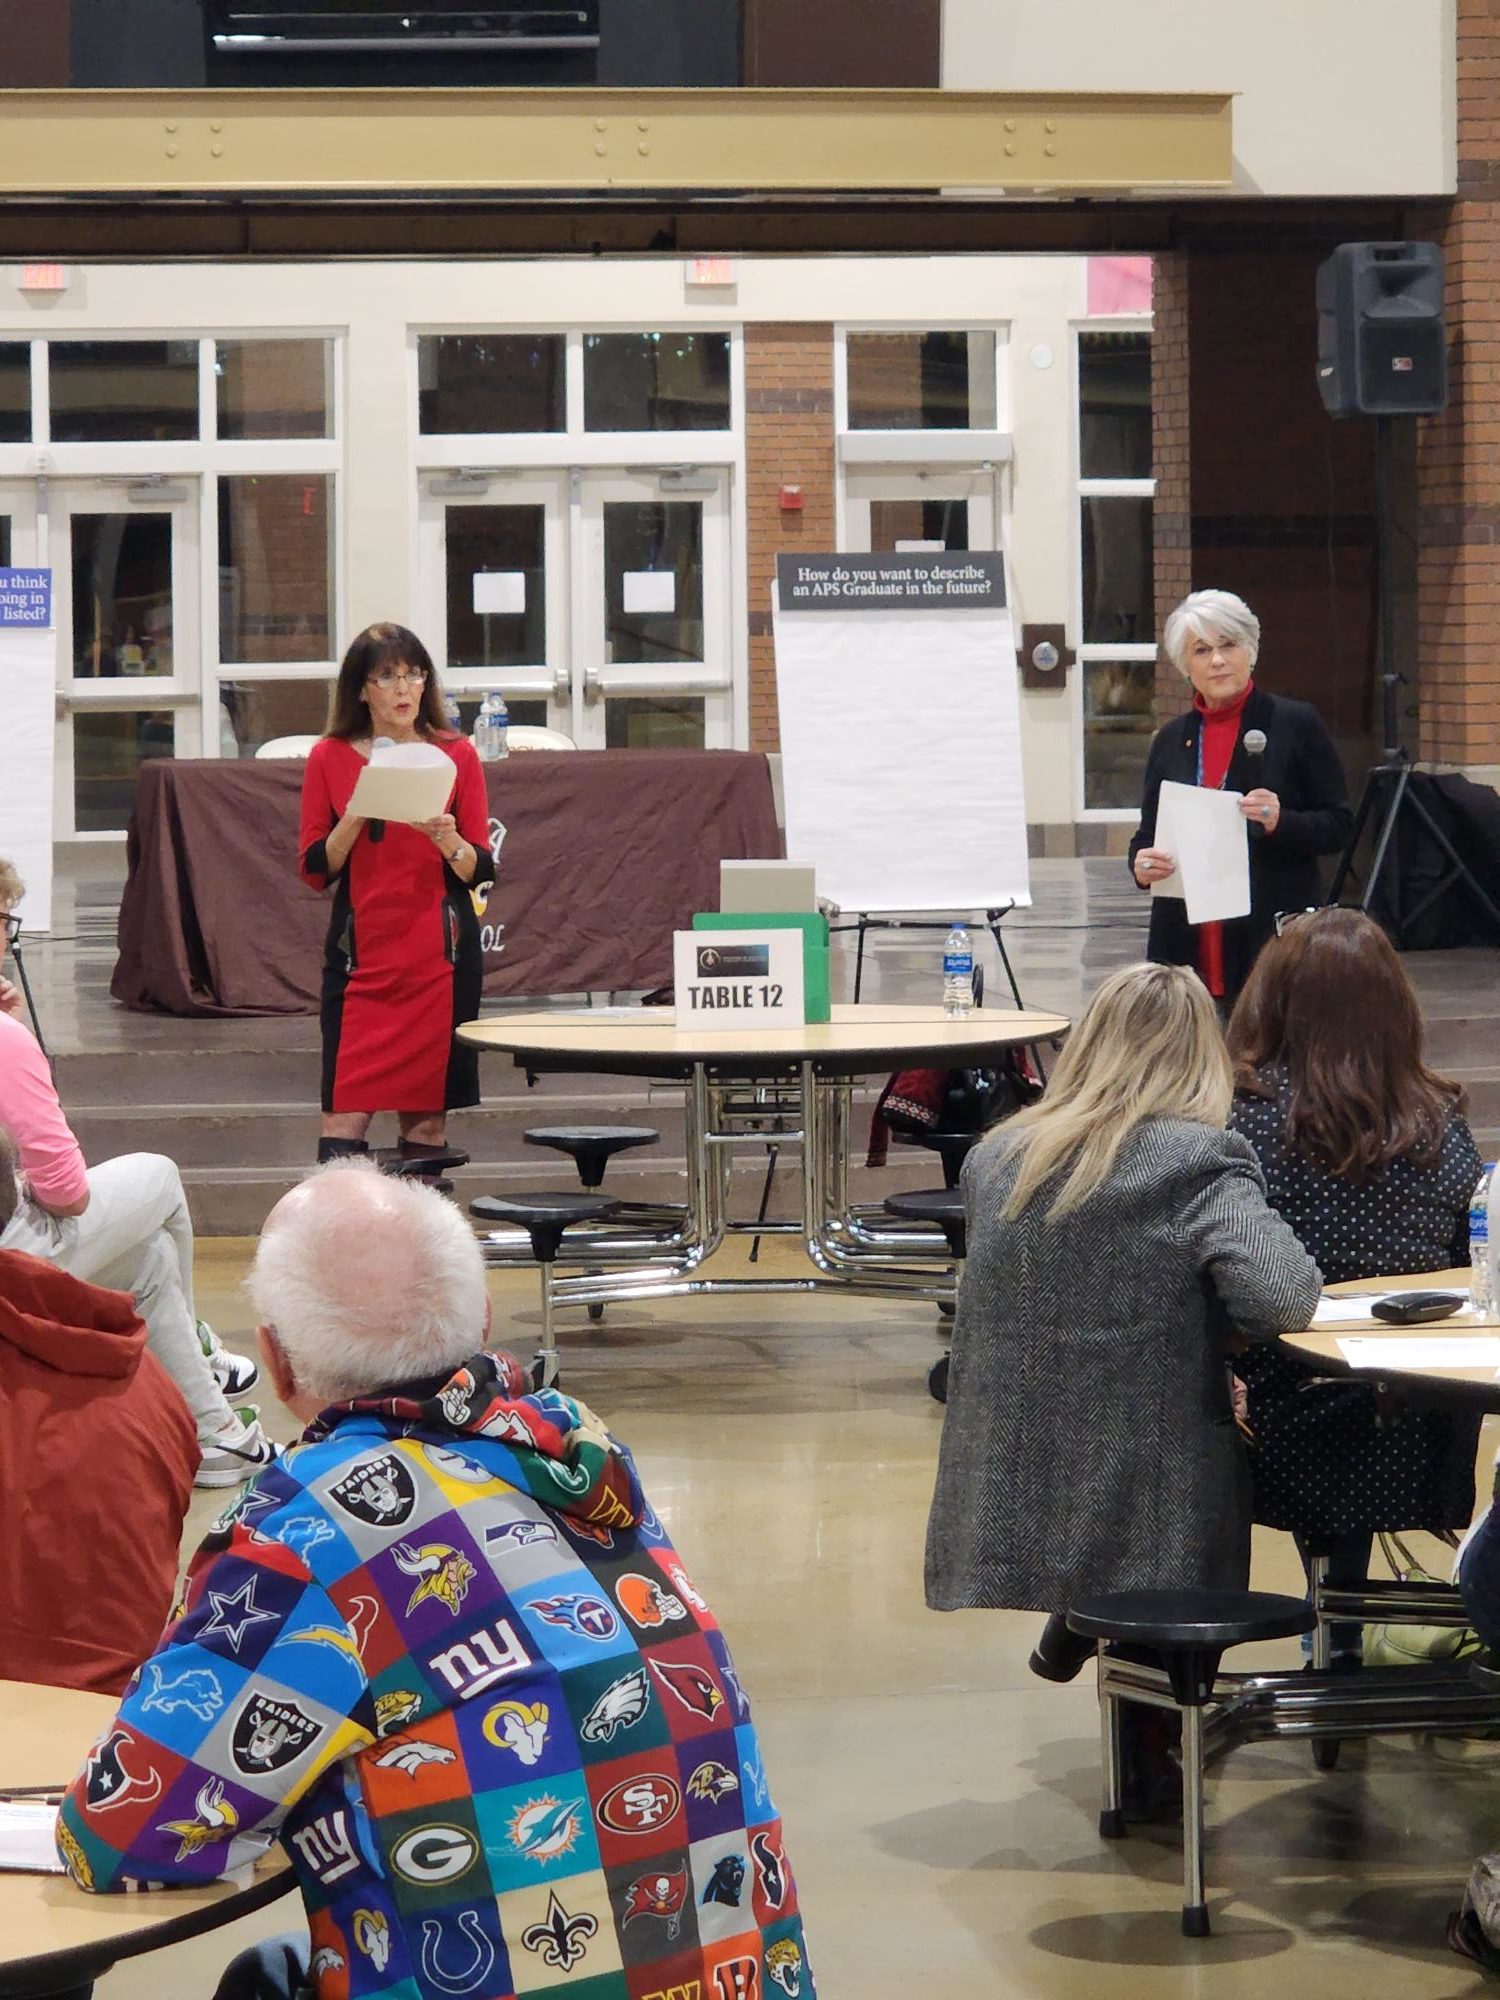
1334	97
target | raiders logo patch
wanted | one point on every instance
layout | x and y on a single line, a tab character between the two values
381	1492
269	1734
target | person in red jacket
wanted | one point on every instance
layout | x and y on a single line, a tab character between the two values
97	1456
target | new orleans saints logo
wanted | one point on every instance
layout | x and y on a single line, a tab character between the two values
380	1492
270	1734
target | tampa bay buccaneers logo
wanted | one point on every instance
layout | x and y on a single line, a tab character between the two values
108	1781
660	1894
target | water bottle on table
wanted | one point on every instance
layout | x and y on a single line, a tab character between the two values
1483	1246
500	727
958	973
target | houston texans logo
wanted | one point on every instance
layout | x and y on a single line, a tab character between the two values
692	1685
107	1783
772	1868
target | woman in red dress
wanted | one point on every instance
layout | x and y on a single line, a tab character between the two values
401	967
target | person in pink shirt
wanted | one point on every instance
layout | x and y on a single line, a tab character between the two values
123	1225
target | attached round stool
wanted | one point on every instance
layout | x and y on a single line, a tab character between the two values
952	1148
591	1148
1191	1630
544	1217
944	1208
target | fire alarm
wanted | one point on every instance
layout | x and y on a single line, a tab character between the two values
791	499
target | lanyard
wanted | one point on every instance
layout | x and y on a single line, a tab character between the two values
1202	726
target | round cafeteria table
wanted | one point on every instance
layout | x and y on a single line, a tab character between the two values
849	1250
1475	1383
54	1935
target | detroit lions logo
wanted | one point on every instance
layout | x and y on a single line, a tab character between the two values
195	1689
304	1533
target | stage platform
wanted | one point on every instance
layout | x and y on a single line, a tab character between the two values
235	1102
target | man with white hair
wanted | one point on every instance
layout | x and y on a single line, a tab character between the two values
444	1651
1274	755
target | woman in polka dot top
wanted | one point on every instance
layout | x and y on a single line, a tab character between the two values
1367	1156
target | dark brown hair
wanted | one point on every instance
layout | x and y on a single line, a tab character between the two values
1330	1003
376	648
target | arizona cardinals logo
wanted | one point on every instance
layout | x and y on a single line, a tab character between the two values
658	1895
445	1574
772	1866
622	1703
692	1685
107	1783
645	1603
217	1820
712	1781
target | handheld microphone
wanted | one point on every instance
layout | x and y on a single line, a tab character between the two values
1255	742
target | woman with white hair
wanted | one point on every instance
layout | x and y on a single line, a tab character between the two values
1275	753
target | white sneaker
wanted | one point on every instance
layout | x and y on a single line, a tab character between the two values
236	1454
236	1374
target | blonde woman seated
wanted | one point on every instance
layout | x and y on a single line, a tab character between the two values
1117	1234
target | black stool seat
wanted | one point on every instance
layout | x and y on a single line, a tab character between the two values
1484	1671
545	1211
953	1148
942	1206
418	1166
1207	1620
591	1147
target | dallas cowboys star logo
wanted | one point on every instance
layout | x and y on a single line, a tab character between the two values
234	1612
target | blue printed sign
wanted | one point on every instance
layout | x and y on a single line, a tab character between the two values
25	597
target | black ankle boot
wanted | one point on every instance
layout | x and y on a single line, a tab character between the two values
341	1149
1060	1655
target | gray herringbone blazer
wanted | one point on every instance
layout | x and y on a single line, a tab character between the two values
1089	1442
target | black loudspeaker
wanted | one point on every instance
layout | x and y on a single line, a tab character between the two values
1382	346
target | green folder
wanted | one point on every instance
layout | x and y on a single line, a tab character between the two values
814	928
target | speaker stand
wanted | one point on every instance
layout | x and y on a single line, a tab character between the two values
1392	775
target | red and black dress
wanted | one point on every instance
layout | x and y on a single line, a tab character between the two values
401	967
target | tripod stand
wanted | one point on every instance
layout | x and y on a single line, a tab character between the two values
13	940
1387	790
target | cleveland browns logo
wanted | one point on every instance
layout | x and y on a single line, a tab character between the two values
646	1604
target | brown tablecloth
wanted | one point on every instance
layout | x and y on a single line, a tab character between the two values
605	854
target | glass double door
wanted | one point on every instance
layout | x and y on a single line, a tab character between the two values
597	603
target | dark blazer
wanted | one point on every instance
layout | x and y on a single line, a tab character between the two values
1089	1442
1301	766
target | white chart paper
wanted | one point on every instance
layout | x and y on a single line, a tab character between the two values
1356	1305
500	591
650	591
1208	837
1476	1350
901	730
28	1837
404	781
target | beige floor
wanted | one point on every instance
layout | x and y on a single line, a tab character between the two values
940	1802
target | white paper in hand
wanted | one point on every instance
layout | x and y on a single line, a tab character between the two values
409	782
1207	836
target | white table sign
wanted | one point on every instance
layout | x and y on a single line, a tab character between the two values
732	977
28	676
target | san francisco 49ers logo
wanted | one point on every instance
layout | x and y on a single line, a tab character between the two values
639	1805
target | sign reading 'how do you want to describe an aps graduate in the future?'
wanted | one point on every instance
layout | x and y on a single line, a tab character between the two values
901	729
28	680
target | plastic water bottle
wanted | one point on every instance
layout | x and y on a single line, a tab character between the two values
454	713
1482	1245
500	726
958	974
482	731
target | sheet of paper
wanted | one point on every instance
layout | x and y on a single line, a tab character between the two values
1206	835
27	1842
1353	1305
404	781
500	591
648	591
1475	1350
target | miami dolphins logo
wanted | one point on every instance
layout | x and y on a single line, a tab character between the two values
544	1828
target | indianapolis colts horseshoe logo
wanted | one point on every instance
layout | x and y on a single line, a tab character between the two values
481	1959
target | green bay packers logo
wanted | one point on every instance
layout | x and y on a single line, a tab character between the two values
432	1854
379	1491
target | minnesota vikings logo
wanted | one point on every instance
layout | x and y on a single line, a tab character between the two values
445	1574
658	1895
380	1492
519	1726
396	1708
784	1963
544	1828
107	1783
372	1936
562	1940
712	1781
691	1684
622	1703
217	1821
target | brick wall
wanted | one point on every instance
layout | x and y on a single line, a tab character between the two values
274	568
789	441
1458	453
1172	526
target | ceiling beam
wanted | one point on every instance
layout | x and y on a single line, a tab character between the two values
551	142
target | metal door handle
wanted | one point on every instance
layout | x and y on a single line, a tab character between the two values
562	685
593	687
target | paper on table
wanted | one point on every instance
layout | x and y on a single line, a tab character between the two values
1356	1305
1208	837
27	1837
1475	1350
404	781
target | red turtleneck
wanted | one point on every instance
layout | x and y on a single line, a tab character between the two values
1221	731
